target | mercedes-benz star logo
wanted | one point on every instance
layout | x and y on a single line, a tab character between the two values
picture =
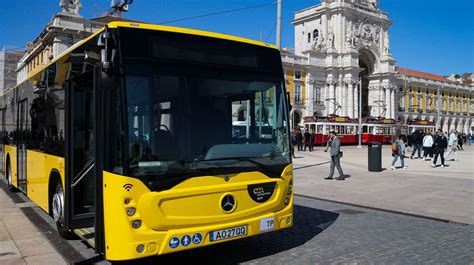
228	203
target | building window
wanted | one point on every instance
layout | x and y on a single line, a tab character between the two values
298	74
309	37
297	99
315	34
317	95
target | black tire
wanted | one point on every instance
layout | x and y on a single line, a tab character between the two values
57	211
8	176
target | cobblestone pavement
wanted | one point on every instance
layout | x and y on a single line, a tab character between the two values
323	233
332	233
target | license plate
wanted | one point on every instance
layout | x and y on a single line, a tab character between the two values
228	233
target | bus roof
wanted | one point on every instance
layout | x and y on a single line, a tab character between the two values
117	24
139	25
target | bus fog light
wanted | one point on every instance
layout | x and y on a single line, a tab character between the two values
287	201
136	224
140	248
131	211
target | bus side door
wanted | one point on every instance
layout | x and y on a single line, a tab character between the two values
21	141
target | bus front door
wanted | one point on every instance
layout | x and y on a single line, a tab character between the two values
22	134
80	165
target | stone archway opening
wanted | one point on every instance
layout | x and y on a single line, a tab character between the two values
296	119
366	63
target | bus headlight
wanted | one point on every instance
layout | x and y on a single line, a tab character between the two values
136	224
131	211
140	248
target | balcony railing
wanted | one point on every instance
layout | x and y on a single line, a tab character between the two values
297	102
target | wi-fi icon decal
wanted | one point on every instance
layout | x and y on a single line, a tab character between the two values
128	187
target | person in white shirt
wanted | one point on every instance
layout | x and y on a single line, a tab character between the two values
428	142
453	144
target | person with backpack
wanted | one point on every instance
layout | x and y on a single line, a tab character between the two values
398	151
428	143
440	144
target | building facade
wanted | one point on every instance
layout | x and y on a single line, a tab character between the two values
9	58
342	50
64	30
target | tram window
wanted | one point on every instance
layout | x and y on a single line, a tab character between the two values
337	129
343	129
350	130
320	129
364	129
331	128
371	129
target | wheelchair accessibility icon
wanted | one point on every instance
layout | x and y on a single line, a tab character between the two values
197	238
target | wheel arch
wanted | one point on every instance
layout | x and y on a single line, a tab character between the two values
54	178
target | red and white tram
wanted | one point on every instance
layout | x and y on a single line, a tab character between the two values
345	128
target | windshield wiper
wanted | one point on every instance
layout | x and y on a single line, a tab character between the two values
267	169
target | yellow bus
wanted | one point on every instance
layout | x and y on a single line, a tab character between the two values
127	140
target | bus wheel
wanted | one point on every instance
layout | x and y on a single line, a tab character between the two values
9	177
57	206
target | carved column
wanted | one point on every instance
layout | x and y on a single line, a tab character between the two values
338	96
388	103
356	99
350	99
393	106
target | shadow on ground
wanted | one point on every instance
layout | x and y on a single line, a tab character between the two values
308	223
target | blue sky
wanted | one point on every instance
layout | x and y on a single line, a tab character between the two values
435	36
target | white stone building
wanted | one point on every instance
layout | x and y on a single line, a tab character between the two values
340	44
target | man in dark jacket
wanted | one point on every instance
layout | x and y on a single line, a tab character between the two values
417	138
440	144
307	140
299	140
336	155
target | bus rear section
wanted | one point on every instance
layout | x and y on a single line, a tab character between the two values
174	173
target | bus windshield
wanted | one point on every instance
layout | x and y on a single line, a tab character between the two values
194	116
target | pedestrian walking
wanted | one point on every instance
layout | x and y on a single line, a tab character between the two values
307	140
336	155
299	140
460	141
440	144
469	139
398	151
452	144
417	143
312	141
428	143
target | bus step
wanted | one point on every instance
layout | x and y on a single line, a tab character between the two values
87	234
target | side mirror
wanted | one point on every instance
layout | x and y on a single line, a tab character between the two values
108	45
